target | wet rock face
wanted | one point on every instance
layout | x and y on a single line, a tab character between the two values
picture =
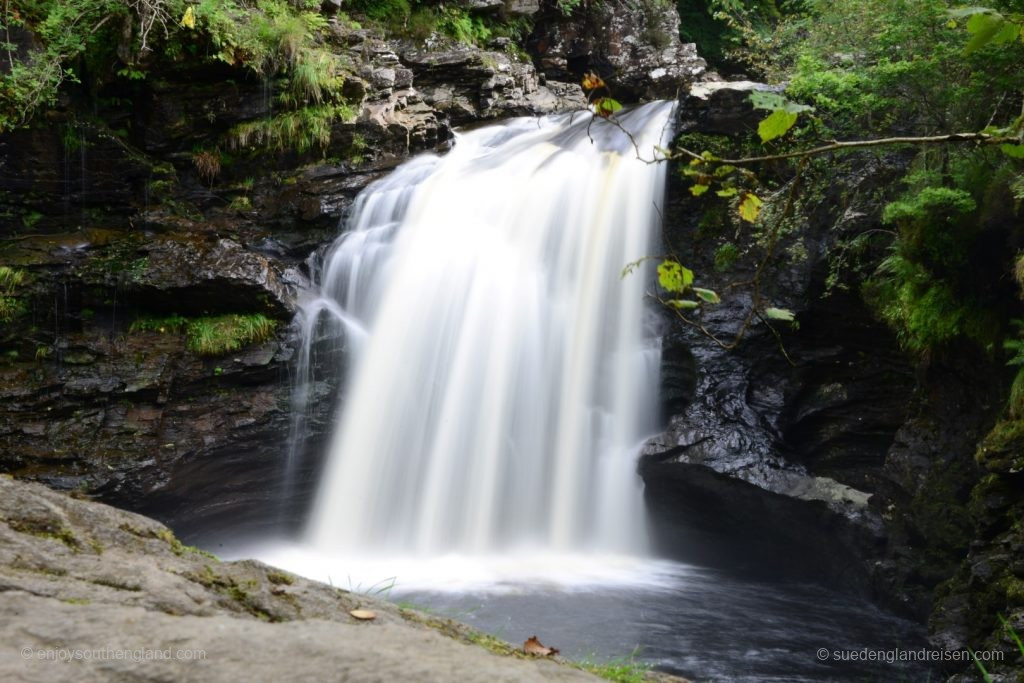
770	467
867	459
634	46
112	220
469	85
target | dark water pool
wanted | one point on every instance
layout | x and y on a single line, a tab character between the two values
703	625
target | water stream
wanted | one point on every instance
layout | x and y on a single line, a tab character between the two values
503	373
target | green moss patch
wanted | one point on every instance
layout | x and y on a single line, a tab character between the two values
212	335
46	529
11	305
1002	449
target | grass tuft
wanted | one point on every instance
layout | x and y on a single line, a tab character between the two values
10	305
212	335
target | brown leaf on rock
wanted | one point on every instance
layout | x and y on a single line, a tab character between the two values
363	614
532	646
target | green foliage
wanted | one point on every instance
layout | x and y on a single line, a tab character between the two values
215	336
273	38
1015	345
621	670
301	130
212	335
775	125
870	64
674	277
925	288
750	206
779	314
726	30
419	20
925	311
390	13
606	106
266	37
172	324
567	7
878	68
270	38
73	36
1011	634
986	26
11	305
783	115
934	226
725	256
464	28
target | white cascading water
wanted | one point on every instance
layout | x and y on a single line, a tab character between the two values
502	372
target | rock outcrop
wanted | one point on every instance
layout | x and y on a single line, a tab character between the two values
825	449
716	107
94	593
634	46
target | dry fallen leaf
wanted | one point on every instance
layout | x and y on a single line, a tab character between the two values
363	614
532	646
591	81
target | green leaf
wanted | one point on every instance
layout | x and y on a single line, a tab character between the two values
776	125
1008	32
983	27
698	190
606	106
771	101
683	304
727	192
750	206
724	170
707	295
1014	151
673	276
779	314
633	265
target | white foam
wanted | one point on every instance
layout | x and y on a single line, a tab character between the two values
509	572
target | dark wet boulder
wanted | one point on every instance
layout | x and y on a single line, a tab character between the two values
634	46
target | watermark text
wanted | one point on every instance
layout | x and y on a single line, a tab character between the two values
104	654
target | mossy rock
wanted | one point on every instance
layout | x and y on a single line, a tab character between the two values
1002	450
990	500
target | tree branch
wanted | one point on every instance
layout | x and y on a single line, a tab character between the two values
981	138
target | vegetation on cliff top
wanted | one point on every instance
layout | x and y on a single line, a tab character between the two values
937	86
92	42
46	44
932	94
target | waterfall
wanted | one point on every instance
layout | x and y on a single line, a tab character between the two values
501	372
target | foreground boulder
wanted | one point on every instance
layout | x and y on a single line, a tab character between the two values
121	598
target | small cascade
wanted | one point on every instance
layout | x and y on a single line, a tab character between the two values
500	373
